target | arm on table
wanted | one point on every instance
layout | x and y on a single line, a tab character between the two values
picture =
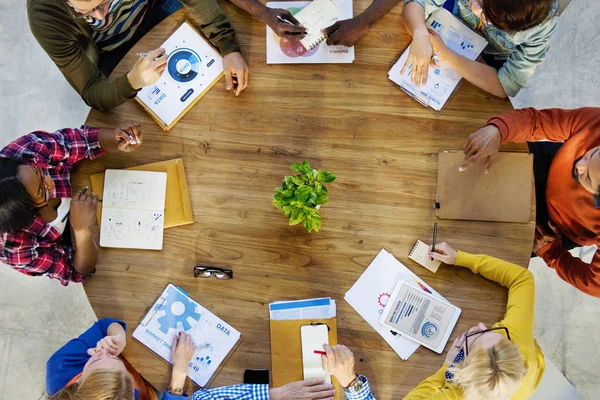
434	388
585	277
519	317
554	124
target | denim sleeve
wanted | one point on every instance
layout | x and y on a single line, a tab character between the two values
522	63
428	5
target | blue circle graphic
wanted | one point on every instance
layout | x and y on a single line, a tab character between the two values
429	330
183	65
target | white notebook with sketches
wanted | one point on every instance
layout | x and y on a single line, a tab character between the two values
284	51
317	15
441	80
133	209
420	255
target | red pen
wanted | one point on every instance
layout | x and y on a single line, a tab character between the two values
321	352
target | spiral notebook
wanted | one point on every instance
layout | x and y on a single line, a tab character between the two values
318	15
420	255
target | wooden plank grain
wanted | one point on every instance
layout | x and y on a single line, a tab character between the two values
349	119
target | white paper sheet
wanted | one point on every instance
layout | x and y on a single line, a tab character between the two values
133	209
369	295
192	67
283	51
320	308
175	311
442	80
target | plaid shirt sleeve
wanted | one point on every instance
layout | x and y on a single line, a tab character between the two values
41	259
237	392
64	147
364	394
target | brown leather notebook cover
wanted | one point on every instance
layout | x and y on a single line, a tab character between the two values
504	194
178	208
286	350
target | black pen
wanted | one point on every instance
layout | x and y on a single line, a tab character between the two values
434	237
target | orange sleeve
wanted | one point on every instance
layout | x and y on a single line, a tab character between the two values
554	124
585	277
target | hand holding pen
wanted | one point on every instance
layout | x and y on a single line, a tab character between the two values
284	24
148	68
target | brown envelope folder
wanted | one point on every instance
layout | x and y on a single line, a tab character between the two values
178	208
505	194
286	350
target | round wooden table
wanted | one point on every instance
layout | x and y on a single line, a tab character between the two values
349	119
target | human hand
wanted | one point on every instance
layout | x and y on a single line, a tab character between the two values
148	69
293	31
182	351
308	389
129	136
453	351
444	253
83	210
419	57
483	143
236	72
346	32
439	47
114	344
544	236
339	362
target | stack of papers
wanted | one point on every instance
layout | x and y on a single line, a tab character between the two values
373	289
302	309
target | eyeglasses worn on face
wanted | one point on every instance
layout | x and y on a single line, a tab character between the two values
86	14
201	271
479	333
43	189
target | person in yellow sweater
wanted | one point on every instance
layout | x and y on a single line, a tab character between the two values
498	363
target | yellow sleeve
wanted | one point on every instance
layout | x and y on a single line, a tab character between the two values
434	388
519	317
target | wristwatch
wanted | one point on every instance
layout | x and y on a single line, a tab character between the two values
356	385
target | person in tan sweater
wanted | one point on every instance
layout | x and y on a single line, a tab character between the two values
87	38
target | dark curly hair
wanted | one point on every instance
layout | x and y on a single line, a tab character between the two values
16	206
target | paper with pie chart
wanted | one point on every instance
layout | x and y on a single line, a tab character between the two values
175	311
283	51
193	67
419	316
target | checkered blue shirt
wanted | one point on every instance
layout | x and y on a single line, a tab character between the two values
257	392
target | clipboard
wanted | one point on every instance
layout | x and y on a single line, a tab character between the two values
178	207
503	195
286	350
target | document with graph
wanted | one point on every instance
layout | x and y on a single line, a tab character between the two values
175	311
441	80
133	209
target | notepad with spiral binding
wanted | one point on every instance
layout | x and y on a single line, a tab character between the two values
318	15
420	255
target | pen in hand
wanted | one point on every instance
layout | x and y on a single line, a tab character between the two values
434	238
69	212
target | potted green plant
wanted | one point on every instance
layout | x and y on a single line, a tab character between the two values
301	195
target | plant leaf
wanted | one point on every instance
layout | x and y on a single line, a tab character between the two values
322	198
325	176
302	193
298	180
316	222
295	167
312	197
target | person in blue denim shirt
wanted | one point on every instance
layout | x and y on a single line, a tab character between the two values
518	32
91	367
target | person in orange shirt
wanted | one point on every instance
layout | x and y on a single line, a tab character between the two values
567	179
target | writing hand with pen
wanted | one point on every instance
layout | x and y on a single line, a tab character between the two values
284	24
346	32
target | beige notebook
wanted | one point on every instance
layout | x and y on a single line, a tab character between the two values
317	15
503	195
420	255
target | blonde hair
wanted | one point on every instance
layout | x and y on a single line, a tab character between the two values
101	384
492	374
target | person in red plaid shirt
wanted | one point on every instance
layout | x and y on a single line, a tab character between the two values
35	200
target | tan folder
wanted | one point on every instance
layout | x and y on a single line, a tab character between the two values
504	194
178	208
286	350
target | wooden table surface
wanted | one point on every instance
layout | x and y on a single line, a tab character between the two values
349	119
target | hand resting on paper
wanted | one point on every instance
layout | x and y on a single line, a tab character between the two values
183	349
419	57
444	253
483	143
346	32
308	389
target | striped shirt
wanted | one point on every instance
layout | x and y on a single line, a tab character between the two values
119	25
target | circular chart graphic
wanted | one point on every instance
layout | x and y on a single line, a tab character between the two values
184	65
429	330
